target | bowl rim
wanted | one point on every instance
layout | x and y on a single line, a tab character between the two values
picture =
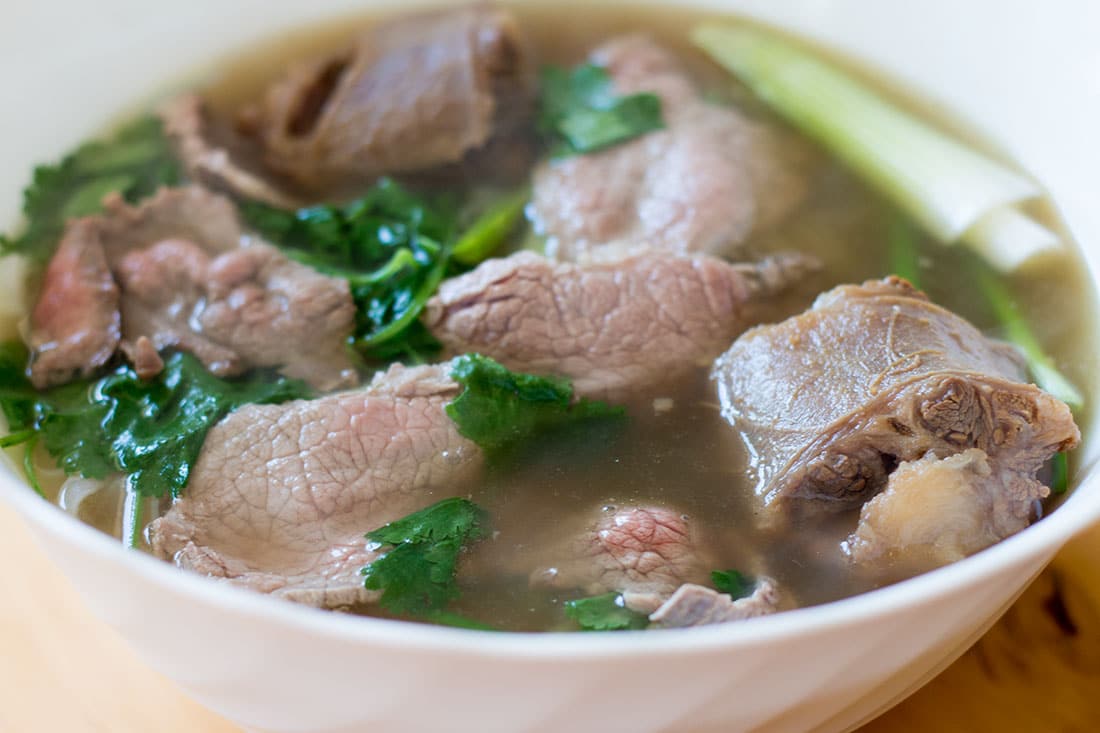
1080	509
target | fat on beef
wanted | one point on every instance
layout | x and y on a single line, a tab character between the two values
705	183
612	327
935	511
282	495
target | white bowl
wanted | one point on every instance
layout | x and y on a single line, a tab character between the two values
1031	85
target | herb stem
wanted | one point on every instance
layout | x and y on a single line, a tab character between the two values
133	513
1018	331
904	246
18	437
28	465
1059	473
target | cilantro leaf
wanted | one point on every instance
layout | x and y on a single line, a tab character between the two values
394	248
136	161
152	430
604	613
579	111
732	583
417	575
390	245
498	407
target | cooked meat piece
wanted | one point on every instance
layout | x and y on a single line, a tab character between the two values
172	271
935	511
187	212
219	158
144	356
613	328
705	183
697	605
645	553
251	307
163	293
276	312
415	93
830	401
75	323
282	495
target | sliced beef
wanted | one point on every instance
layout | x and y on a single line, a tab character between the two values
282	495
171	272
611	327
705	183
214	155
935	511
643	552
251	307
75	325
188	212
830	401
415	93
697	605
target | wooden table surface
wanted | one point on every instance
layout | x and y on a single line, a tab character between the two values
62	670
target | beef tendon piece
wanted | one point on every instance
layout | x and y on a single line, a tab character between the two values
282	495
829	402
613	328
935	511
705	183
416	93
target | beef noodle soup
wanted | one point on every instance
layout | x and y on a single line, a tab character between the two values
470	318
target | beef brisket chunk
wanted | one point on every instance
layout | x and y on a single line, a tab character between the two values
831	401
413	94
705	183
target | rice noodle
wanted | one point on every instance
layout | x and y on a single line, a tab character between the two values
75	491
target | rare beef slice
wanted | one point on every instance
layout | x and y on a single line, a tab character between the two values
172	273
612	327
705	183
643	552
831	401
282	495
656	558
